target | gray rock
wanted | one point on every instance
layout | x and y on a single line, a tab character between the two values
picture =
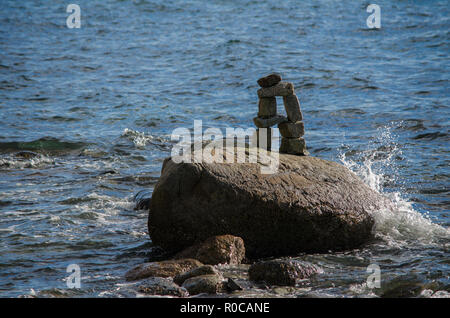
161	286
280	89
221	249
267	107
269	80
308	205
199	271
232	286
209	284
292	107
293	146
168	268
292	130
281	272
269	122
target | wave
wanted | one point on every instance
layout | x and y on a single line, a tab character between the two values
398	223
22	161
140	139
43	145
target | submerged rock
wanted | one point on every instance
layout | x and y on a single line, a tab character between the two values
209	284
161	286
223	249
199	271
308	205
168	268
232	286
281	272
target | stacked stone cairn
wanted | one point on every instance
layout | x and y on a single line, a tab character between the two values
291	127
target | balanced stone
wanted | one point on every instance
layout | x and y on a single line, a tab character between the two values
269	80
293	146
269	122
292	106
280	89
267	107
292	130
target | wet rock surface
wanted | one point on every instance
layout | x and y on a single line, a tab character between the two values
222	249
281	272
209	284
161	286
169	268
199	271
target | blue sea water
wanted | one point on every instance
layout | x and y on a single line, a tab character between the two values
98	105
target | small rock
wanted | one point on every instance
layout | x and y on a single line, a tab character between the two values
267	107
199	271
281	272
209	284
221	249
293	146
292	130
280	89
269	80
161	286
232	286
269	122
292	107
26	154
168	268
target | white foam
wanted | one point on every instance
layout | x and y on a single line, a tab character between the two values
399	223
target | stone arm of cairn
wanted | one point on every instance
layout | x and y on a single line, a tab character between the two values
291	127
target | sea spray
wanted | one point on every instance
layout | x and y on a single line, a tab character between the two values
398	223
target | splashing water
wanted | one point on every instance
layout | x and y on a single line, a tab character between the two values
399	223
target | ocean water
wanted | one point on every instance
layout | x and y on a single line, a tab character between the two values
96	106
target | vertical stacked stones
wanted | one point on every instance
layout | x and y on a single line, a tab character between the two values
267	109
291	128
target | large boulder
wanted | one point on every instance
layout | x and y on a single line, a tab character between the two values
308	205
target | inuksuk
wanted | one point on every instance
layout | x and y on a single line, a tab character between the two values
291	127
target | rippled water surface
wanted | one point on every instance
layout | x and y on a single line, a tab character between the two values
86	118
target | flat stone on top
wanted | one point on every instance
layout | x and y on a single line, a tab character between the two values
269	122
280	89
269	80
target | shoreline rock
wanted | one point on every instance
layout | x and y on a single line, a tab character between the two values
309	205
221	249
281	272
209	284
169	268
